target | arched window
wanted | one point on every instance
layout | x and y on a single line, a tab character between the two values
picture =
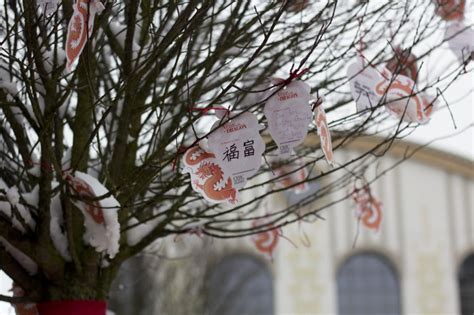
466	285
240	284
367	284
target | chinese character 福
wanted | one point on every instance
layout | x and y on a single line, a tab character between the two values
231	153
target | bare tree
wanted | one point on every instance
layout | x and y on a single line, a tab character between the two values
125	115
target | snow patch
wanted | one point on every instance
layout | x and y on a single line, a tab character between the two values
13	196
58	235
5	82
6	207
32	197
106	236
26	215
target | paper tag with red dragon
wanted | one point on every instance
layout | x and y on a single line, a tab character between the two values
368	208
80	28
289	114
402	99
265	242
208	177
238	147
323	131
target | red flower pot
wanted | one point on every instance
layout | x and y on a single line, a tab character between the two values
72	308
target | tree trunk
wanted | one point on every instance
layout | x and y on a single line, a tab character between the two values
77	294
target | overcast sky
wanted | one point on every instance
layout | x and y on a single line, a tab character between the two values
441	123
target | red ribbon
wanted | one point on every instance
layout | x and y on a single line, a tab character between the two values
295	74
72	308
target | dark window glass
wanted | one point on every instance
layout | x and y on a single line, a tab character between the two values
240	285
466	285
366	285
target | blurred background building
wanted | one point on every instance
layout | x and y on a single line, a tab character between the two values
421	261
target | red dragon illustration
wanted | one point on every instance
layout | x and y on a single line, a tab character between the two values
82	18
324	134
369	209
400	90
266	241
210	177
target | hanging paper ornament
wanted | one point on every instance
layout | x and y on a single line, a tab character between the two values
402	99
238	146
363	79
84	191
323	131
460	40
403	62
207	176
80	28
100	210
292	175
23	308
289	114
297	5
265	242
450	10
368	209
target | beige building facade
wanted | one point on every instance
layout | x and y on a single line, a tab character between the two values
426	234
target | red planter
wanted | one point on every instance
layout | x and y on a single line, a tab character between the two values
73	308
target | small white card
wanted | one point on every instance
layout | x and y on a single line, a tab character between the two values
288	114
363	79
238	147
460	40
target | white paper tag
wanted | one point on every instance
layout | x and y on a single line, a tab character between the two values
238	147
207	176
460	40
77	34
363	79
289	114
402	99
